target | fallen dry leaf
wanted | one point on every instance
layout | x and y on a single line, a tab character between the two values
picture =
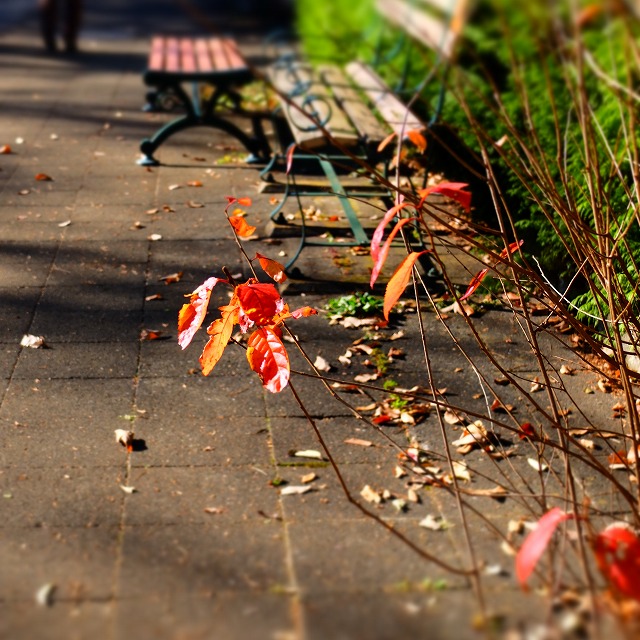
154	237
308	453
193	204
34	342
43	177
173	187
5	149
309	477
194	183
461	471
150	334
359	442
171	278
125	438
537	465
434	523
294	490
213	510
371	495
127	489
66	223
154	296
321	364
44	595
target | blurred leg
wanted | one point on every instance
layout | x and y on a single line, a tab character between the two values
72	24
48	19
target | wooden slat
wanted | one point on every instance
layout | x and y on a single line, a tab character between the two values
305	133
218	57
234	57
430	31
202	55
172	60
361	116
156	56
187	56
392	110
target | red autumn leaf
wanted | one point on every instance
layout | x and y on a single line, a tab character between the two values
383	419
526	431
379	232
398	281
150	334
476	281
303	312
241	226
514	246
384	252
192	314
383	145
268	358
418	139
290	152
220	331
453	190
617	551
536	542
479	277
272	268
43	177
259	301
5	149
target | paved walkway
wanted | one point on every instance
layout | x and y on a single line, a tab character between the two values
206	546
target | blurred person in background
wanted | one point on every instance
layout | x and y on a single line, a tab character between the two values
49	17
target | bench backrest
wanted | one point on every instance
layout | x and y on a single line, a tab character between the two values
436	24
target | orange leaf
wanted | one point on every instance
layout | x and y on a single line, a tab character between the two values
303	312
194	183
526	431
244	202
398	281
386	141
617	550
384	252
241	226
192	314
536	542
268	358
290	151
220	331
5	149
272	268
259	301
453	190
376	239
514	246
43	177
418	139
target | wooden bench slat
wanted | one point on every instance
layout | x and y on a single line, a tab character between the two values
187	56
359	113
202	56
304	132
234	57
433	32
172	55
392	110
156	56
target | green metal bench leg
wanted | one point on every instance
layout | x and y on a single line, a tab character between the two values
254	146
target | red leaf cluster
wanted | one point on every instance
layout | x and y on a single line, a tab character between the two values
255	307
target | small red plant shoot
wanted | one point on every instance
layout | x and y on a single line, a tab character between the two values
254	307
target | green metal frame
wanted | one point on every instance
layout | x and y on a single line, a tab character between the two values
169	87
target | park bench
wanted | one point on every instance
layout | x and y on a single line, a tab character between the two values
213	62
340	113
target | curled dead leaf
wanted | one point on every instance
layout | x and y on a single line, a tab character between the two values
125	438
